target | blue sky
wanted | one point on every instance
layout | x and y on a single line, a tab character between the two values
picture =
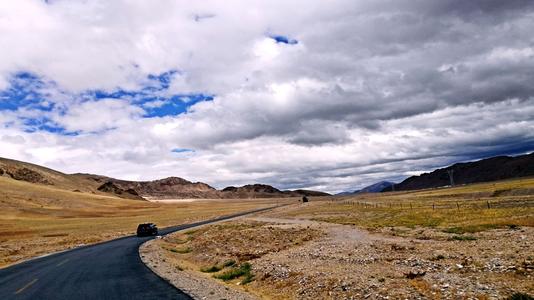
34	98
332	97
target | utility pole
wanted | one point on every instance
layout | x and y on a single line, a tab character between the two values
451	176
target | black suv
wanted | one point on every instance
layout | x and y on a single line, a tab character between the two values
147	229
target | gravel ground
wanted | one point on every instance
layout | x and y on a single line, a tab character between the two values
195	285
350	263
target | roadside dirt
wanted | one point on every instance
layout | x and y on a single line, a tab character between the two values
344	262
192	283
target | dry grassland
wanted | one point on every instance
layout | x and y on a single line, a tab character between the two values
39	219
470	208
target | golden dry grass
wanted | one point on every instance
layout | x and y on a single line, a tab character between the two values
38	219
464	208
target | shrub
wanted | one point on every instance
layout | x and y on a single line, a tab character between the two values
249	277
438	257
217	268
181	251
520	296
463	238
211	269
514	226
471	228
456	230
228	263
244	270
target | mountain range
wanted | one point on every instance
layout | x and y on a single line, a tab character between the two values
373	188
489	169
167	188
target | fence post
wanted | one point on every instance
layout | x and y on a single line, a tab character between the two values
487	202
457	206
433	206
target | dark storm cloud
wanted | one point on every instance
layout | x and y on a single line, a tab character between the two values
396	59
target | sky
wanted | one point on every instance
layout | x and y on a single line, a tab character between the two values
325	95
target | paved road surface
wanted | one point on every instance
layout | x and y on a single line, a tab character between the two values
110	270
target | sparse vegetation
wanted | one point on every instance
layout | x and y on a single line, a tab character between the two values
458	210
244	270
470	228
211	269
438	257
247	240
514	226
228	263
217	268
180	250
463	238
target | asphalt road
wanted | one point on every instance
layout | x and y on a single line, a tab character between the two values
109	270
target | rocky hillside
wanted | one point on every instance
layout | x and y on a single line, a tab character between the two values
373	188
252	191
179	188
167	188
32	173
308	193
172	187
265	191
490	169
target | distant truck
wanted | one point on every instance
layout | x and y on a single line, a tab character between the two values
147	229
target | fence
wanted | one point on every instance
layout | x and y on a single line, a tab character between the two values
470	204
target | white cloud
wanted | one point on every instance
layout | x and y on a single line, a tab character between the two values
92	116
372	90
512	54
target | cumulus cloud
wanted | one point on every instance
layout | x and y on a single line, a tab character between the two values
300	94
99	115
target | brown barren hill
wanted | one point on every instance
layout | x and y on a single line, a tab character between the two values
179	188
485	170
31	173
265	191
167	188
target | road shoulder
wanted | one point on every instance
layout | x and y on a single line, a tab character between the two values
195	286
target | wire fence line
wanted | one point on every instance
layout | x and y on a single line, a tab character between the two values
458	205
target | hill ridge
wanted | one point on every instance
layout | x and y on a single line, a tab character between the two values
172	187
484	170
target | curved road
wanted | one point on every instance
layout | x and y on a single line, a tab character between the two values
109	270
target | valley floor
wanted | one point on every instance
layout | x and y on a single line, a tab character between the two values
37	220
